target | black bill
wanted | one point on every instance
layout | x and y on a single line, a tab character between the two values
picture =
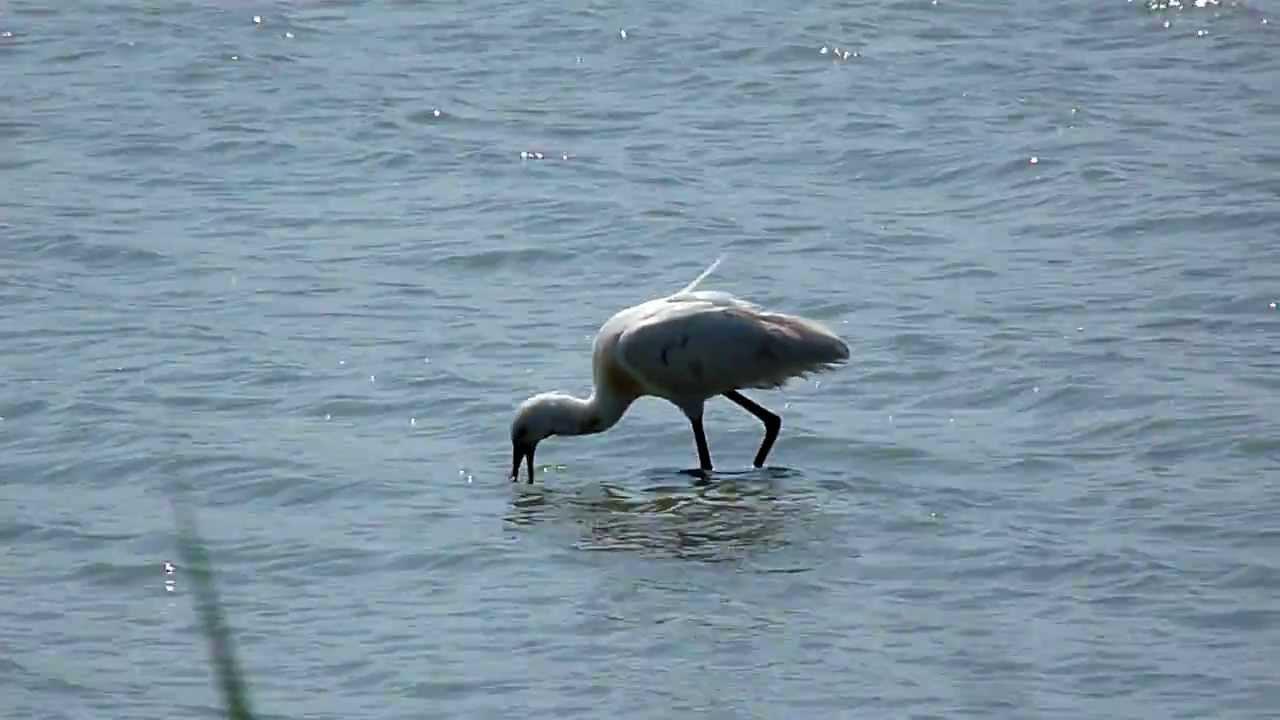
518	452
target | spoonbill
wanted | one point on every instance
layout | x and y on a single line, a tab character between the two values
685	348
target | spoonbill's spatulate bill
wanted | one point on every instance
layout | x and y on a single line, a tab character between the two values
686	348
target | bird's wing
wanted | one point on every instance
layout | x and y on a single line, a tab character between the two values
702	344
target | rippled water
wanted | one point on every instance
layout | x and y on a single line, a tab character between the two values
299	265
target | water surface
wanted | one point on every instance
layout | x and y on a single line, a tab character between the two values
300	266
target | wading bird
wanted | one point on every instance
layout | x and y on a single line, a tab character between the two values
685	348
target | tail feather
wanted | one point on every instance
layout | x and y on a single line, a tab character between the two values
810	343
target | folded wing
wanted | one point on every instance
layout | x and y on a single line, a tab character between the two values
701	344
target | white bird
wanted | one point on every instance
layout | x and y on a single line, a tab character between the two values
686	348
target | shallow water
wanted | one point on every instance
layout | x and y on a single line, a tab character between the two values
299	266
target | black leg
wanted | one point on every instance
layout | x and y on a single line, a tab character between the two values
700	437
772	423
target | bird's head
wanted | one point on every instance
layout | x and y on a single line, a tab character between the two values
539	417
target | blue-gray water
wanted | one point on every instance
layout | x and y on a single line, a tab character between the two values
251	258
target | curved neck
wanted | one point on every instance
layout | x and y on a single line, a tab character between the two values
597	413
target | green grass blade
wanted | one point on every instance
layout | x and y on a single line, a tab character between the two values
195	559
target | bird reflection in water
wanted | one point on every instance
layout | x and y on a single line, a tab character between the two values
722	516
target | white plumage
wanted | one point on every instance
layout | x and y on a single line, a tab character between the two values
687	347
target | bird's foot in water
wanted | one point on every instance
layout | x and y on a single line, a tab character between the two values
702	474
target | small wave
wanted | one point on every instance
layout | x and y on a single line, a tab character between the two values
728	517
96	254
522	258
